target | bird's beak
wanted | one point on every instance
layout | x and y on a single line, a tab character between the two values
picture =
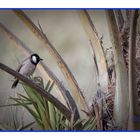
41	59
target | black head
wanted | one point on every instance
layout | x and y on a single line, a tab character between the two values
35	59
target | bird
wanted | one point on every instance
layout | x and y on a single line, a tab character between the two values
27	67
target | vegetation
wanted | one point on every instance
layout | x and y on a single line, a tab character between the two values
115	105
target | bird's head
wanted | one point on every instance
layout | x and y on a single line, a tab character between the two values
35	58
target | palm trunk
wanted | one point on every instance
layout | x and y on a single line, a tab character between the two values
121	107
134	116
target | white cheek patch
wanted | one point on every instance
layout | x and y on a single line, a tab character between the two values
34	59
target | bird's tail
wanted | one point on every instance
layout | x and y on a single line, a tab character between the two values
15	83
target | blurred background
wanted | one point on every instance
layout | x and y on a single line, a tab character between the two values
65	31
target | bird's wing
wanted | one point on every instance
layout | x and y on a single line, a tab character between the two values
19	67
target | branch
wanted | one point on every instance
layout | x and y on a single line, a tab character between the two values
39	90
77	93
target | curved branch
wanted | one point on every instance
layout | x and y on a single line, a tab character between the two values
41	66
39	90
77	93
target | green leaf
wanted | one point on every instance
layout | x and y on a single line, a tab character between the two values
50	88
28	103
89	124
32	94
47	86
52	115
24	97
41	106
31	111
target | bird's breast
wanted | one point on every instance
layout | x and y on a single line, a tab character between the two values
28	69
